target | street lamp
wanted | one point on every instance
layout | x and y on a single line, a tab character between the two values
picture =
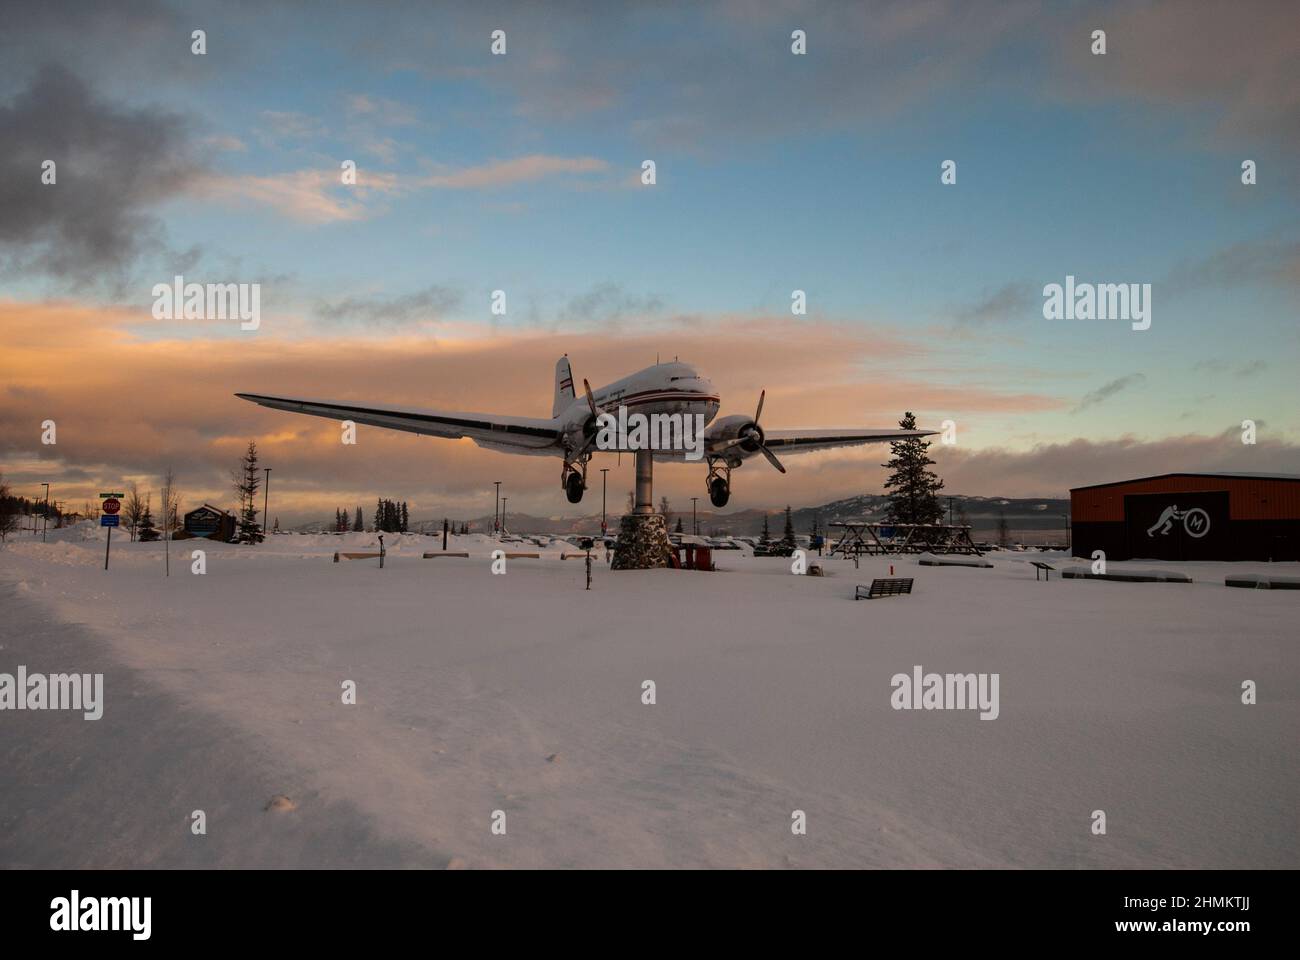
695	527
496	509
604	481
266	498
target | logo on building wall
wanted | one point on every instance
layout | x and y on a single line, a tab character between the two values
1196	522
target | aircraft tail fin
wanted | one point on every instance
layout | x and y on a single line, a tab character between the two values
564	392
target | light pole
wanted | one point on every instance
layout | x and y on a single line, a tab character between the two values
266	498
503	514
695	526
45	518
496	510
604	481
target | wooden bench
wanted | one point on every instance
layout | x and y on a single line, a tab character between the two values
430	556
1043	568
887	587
354	556
523	556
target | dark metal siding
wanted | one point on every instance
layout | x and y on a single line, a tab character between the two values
1250	498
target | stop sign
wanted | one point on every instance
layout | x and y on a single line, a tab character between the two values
111	505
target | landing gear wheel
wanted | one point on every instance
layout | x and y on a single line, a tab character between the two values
719	492
574	487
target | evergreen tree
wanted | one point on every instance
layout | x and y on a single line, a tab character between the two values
679	524
247	481
787	537
277	525
345	520
145	529
911	487
379	516
1004	532
359	525
766	538
405	517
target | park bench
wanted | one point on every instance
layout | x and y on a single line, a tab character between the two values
886	587
1044	568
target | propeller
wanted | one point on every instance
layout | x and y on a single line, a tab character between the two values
752	438
595	415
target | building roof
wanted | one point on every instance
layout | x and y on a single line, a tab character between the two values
208	506
1285	477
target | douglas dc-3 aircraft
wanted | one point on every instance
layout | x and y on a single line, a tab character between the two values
571	432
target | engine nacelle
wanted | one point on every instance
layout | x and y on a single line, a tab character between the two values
736	438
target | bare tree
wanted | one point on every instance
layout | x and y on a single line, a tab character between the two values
132	508
170	503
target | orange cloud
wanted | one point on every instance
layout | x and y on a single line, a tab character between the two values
127	405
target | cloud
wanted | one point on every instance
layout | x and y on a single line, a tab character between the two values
503	173
608	304
1009	301
378	111
317	196
308	196
1053	468
1269	261
280	125
1107	390
420	307
114	164
1234	63
189	416
1218	365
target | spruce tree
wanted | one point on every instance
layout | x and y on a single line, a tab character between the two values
379	516
405	517
679	524
787	537
359	525
247	481
766	538
911	487
146	532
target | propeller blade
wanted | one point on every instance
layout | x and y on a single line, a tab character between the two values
771	458
591	401
761	397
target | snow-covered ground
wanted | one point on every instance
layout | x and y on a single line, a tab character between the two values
523	693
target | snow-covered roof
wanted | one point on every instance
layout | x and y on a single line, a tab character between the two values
1193	473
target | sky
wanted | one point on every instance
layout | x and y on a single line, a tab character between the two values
521	172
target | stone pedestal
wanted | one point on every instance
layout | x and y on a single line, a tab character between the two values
642	542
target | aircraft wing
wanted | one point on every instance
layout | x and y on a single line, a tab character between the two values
806	441
487	429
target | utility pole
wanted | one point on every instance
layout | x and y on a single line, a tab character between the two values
695	526
45	520
496	510
266	498
604	482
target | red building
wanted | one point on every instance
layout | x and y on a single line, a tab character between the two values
1189	516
